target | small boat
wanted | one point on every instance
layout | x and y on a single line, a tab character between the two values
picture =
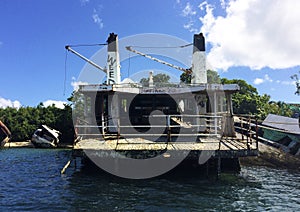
45	137
284	132
6	132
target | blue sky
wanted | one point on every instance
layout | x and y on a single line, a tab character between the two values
252	40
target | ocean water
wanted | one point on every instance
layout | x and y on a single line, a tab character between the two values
31	181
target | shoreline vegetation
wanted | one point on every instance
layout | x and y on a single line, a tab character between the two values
24	121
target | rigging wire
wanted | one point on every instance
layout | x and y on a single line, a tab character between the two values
65	80
95	44
129	57
163	47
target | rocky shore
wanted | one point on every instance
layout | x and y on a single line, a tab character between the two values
272	157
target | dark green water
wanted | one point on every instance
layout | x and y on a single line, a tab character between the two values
31	181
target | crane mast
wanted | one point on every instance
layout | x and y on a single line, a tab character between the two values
85	59
113	60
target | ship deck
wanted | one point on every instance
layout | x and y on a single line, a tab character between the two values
229	147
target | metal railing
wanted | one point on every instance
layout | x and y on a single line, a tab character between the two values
166	126
247	126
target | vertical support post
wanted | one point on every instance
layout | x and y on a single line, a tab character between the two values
91	114
102	123
248	131
215	113
113	112
85	114
242	127
219	167
256	131
169	127
118	130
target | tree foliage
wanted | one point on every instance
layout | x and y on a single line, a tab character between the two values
158	80
247	100
212	77
297	83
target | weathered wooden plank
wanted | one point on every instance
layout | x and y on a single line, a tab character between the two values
141	144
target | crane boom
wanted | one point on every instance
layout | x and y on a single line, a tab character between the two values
129	48
85	59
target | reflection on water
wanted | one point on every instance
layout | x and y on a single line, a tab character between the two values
31	180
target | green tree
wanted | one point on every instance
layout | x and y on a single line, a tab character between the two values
297	83
212	77
77	105
158	80
186	78
246	100
24	121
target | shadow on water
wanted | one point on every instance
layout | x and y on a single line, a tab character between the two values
31	180
255	188
189	191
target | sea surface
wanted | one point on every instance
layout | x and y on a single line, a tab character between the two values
31	181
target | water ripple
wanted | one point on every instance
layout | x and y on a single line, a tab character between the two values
31	181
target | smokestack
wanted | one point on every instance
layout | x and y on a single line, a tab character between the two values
113	60
199	74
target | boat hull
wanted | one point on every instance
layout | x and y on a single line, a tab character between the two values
40	142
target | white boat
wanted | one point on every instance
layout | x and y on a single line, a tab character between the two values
45	137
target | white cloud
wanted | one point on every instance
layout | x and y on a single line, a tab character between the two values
286	82
188	10
258	81
190	26
58	104
266	78
4	103
84	2
253	33
97	20
189	13
75	84
223	4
